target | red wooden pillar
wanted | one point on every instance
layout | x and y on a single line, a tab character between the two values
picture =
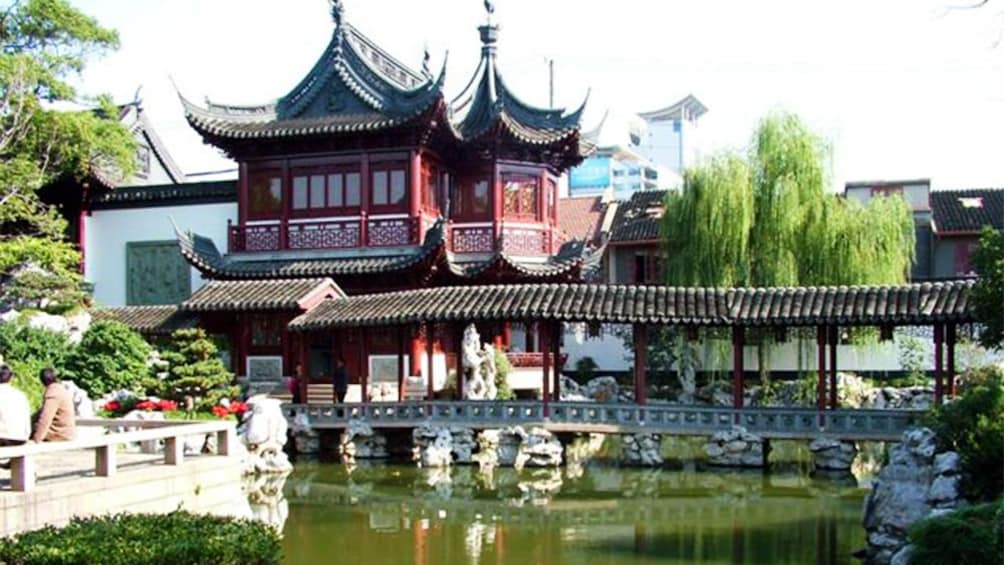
546	356
950	343
939	339
364	381
737	370
821	369
640	334
416	352
430	385
834	335
556	347
400	363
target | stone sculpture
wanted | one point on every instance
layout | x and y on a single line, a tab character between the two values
479	367
263	433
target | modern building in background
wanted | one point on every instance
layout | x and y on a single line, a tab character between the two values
672	138
638	152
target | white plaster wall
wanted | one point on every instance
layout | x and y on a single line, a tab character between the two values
106	233
609	353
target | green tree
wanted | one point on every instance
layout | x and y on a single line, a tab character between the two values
29	350
44	42
195	369
988	295
110	356
767	219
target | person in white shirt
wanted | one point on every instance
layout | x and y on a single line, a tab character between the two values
15	413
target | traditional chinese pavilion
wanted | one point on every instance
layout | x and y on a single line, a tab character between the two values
365	178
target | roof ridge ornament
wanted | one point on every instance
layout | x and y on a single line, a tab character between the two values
337	11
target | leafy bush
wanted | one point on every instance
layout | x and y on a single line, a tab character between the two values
28	350
502	369
585	368
968	536
196	370
111	356
973	425
178	538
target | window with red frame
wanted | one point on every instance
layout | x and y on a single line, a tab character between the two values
471	199
265	194
519	197
325	191
388	186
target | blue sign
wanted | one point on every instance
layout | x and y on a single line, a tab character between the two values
594	172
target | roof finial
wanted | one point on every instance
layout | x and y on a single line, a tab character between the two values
490	8
337	11
425	60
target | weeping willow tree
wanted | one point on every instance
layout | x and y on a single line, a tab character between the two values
769	219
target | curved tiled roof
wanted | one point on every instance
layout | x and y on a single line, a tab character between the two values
917	304
968	210
487	105
149	320
221	296
353	87
202	254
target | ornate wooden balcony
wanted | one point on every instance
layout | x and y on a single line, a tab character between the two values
531	359
341	233
518	239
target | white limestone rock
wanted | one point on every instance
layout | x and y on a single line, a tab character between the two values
305	438
360	441
539	449
735	448
916	483
642	450
463	444
263	433
83	407
572	392
602	389
833	455
433	446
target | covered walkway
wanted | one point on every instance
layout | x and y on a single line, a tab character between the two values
826	310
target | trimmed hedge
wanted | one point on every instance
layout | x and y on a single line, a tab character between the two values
178	538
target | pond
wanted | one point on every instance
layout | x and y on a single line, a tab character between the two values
600	513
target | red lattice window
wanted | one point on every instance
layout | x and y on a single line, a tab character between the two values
388	186
519	197
266	331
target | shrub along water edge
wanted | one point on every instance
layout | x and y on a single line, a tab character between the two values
178	538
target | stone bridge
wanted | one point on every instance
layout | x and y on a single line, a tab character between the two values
617	418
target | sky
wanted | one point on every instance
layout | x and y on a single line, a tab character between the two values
902	89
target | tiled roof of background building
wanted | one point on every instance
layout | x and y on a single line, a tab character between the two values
968	210
166	195
639	218
580	218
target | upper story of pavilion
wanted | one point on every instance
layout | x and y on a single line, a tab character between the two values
366	158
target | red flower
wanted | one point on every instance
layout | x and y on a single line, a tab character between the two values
238	408
220	412
167	405
113	406
147	405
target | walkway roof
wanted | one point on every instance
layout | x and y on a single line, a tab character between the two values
915	304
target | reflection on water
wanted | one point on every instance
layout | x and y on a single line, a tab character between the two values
590	514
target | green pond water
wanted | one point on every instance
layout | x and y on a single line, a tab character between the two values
597	514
